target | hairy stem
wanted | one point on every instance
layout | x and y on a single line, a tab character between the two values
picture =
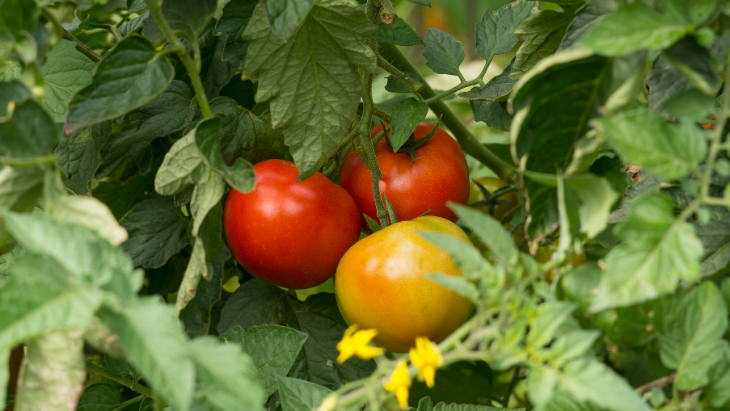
658	383
467	141
452	90
399	75
91	367
127	403
189	64
717	141
81	47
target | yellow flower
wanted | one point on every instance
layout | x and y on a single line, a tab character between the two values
355	342
400	382
427	358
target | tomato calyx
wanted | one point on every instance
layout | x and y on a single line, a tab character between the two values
492	199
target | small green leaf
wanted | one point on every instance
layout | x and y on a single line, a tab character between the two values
119	367
272	348
156	346
20	188
313	104
11	91
398	32
495	33
233	22
157	231
129	76
372	224
227	378
548	318
541	34
695	63
584	20
100	396
168	113
207	193
492	113
497	89
396	86
17	16
444	54
490	231
240	175
467	258
596	198
634	26
78	154
90	213
66	71
28	132
188	17
573	344
665	83
692	342
285	16
183	165
718	391
299	395
422	2
645	139
459	285
405	117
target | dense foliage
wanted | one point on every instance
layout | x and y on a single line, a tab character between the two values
125	124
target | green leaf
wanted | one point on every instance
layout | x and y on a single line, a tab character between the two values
233	22
691	104
66	71
4	373
240	175
396	86
90	213
119	367
398	32
187	17
459	285
495	33
665	83
134	24
497	89
272	348
183	165
121	195
548	318
695	63
27	132
584	20
227	379
206	195
54	372
156	346
285	16
129	76
299	395
645	139
692	342
571	345
715	238
78	155
592	381
245	135
157	231
718	391
20	188
219	72
541	34
168	113
405	117
100	396
312	103
469	260
633	27
257	302
460	382
11	91
492	113
470	407
692	12
422	2
18	15
490	232
656	253
54	303
444	54
597	197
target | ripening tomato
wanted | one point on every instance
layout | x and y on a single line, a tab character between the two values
291	234
547	252
492	184
380	283
438	174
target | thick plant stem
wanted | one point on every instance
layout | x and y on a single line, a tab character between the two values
189	64
364	147
91	367
467	141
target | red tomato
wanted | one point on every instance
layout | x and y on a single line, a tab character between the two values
439	174
291	234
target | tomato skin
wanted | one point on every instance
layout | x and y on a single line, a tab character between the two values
380	283
290	234
492	184
438	175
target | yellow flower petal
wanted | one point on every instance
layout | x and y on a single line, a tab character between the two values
428	374
367	352
355	342
402	395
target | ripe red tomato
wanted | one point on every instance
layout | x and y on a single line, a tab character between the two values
291	234
381	284
439	174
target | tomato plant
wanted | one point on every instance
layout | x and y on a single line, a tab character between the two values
168	178
290	233
435	174
381	284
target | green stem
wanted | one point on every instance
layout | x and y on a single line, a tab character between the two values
512	384
399	75
125	404
381	114
90	366
452	90
717	142
189	64
81	47
467	141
